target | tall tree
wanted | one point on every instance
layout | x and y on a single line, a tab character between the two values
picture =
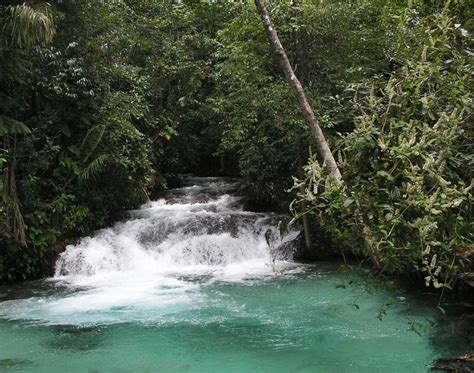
308	113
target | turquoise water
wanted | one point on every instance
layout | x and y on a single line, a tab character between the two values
303	322
194	283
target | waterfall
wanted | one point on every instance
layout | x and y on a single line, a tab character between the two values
198	229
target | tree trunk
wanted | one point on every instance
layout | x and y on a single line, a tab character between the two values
321	143
306	225
14	222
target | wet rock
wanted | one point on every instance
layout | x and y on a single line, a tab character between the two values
458	364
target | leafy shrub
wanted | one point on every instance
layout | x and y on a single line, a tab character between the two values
408	165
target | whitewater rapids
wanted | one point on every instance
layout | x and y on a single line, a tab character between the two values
157	261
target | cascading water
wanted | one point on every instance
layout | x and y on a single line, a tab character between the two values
199	229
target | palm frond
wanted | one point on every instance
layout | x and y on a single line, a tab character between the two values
26	25
10	126
93	168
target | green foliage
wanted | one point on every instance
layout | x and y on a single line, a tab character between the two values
27	25
81	153
407	165
10	126
330	44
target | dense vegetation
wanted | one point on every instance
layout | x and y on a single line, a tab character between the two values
104	103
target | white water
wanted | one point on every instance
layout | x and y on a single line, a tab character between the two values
156	262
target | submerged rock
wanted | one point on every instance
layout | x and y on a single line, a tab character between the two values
459	364
14	363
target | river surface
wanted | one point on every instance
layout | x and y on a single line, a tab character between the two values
193	283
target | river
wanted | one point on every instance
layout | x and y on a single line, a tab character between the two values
193	283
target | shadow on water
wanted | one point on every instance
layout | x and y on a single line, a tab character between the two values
450	333
454	331
11	365
76	338
37	289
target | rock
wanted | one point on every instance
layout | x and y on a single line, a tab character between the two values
458	364
13	363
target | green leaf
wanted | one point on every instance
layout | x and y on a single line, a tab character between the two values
349	201
10	126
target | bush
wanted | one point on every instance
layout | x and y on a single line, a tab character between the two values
407	166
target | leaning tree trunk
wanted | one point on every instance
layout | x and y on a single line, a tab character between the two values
321	143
